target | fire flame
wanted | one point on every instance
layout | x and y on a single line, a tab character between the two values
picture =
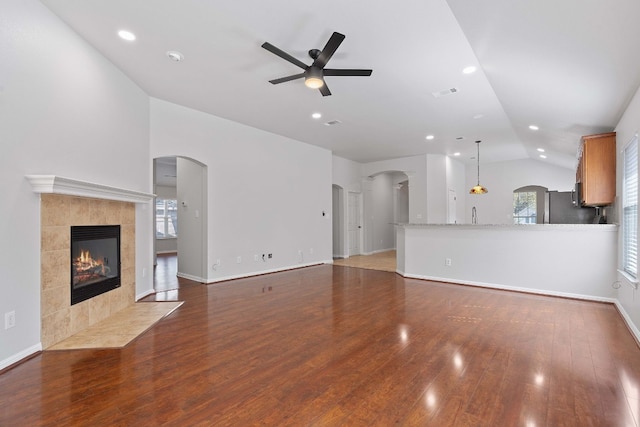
86	262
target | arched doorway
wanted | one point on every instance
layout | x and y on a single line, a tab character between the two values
180	223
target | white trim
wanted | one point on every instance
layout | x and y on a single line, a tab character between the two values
627	319
377	251
19	356
511	288
145	294
59	185
274	270
191	277
632	281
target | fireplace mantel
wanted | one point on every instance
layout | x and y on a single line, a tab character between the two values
54	184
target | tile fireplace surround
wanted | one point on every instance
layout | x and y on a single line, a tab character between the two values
58	213
65	202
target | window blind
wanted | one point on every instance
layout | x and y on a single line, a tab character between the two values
630	209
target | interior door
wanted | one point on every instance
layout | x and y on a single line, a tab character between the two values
451	208
354	224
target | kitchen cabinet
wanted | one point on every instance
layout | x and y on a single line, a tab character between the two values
596	171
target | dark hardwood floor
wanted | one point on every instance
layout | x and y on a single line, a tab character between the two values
331	345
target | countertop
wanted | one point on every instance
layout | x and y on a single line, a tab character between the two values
528	227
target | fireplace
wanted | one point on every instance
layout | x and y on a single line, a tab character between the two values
95	261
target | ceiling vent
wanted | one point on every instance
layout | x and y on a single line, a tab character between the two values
445	92
332	122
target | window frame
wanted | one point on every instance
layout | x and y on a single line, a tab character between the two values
630	209
166	217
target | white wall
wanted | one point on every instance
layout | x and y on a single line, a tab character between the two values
628	126
565	260
379	207
415	168
501	178
436	189
192	214
456	181
347	175
266	193
62	105
337	218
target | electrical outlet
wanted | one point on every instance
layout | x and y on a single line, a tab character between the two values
311	251
270	256
256	257
9	319
239	259
447	262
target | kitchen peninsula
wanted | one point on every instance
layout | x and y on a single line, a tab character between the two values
570	260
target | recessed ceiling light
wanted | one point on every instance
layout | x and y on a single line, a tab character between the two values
469	70
542	156
457	153
541	150
316	115
126	35
175	56
430	137
533	127
478	116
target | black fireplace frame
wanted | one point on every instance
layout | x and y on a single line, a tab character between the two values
95	232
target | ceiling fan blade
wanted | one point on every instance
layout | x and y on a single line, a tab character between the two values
284	55
346	72
286	79
329	50
324	90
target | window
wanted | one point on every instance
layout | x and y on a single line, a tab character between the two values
630	209
166	218
524	207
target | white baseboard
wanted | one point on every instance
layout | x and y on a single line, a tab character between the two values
190	277
511	288
145	294
377	251
273	270
19	356
627	319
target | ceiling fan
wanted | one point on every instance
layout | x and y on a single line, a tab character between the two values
314	74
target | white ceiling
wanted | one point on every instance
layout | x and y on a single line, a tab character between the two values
568	66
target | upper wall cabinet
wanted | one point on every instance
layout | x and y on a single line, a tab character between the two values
596	171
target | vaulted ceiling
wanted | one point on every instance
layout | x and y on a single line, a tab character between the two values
570	67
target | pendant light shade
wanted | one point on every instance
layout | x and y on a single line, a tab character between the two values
478	189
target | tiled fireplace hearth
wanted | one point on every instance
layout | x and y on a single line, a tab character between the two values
60	319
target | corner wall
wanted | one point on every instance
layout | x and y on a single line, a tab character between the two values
55	115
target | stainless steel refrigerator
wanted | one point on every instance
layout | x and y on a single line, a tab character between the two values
559	209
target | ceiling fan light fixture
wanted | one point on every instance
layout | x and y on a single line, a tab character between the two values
313	78
313	82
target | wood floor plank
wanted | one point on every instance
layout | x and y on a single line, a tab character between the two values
332	345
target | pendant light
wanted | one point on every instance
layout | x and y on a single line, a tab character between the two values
478	189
